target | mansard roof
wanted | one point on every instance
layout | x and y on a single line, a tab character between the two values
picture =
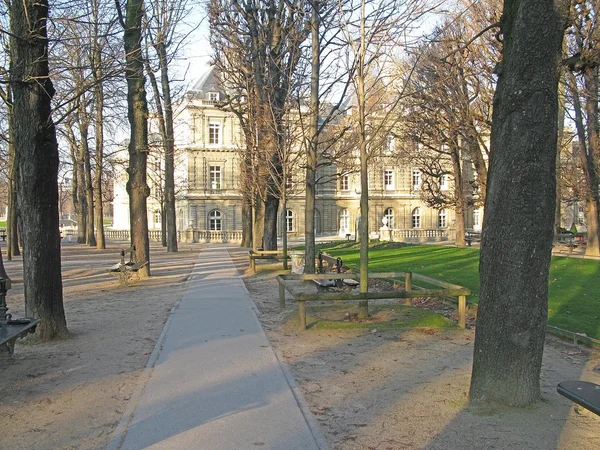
208	82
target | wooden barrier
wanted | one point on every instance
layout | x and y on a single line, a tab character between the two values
266	254
409	291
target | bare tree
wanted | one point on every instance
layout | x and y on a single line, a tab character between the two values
36	157
518	226
446	119
163	19
262	39
375	30
583	41
12	244
137	186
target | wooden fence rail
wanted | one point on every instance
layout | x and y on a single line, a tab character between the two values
409	291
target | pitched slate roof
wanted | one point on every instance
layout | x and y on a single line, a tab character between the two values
208	82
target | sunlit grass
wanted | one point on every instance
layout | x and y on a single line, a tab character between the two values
343	316
574	283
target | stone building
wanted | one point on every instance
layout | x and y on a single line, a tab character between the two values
209	202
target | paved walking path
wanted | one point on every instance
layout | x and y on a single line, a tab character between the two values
213	381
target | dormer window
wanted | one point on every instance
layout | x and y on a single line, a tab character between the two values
213	96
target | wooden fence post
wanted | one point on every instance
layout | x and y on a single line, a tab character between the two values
462	311
408	287
302	314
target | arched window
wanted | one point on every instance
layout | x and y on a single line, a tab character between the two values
416	218
389	215
344	220
442	218
215	222
289	221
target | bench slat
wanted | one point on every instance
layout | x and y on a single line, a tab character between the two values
325	283
12	331
583	393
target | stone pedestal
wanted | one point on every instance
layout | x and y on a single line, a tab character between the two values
385	234
297	262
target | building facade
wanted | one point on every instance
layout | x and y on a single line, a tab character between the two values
209	200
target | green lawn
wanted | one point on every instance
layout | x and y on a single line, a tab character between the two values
574	283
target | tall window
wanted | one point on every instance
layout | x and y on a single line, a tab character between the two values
215	222
213	96
289	182
389	215
388	179
289	221
444	182
214	133
416	218
476	218
345	183
344	220
416	179
215	177
442	218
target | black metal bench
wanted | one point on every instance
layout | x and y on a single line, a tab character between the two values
472	236
583	393
329	263
123	269
12	329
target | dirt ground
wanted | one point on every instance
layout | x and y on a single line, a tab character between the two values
71	394
393	389
384	389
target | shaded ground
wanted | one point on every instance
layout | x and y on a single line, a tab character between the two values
71	394
407	389
384	389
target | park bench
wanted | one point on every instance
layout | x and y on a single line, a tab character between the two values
12	329
264	254
472	236
583	393
329	263
123	269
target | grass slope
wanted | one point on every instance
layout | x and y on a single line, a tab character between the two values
574	284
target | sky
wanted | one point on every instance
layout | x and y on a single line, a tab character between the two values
196	53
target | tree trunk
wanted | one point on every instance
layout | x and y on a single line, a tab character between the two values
518	226
459	195
363	230
171	220
12	235
137	113
99	124
36	156
246	223
88	190
270	220
560	138
81	197
311	154
588	160
258	221
590	77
